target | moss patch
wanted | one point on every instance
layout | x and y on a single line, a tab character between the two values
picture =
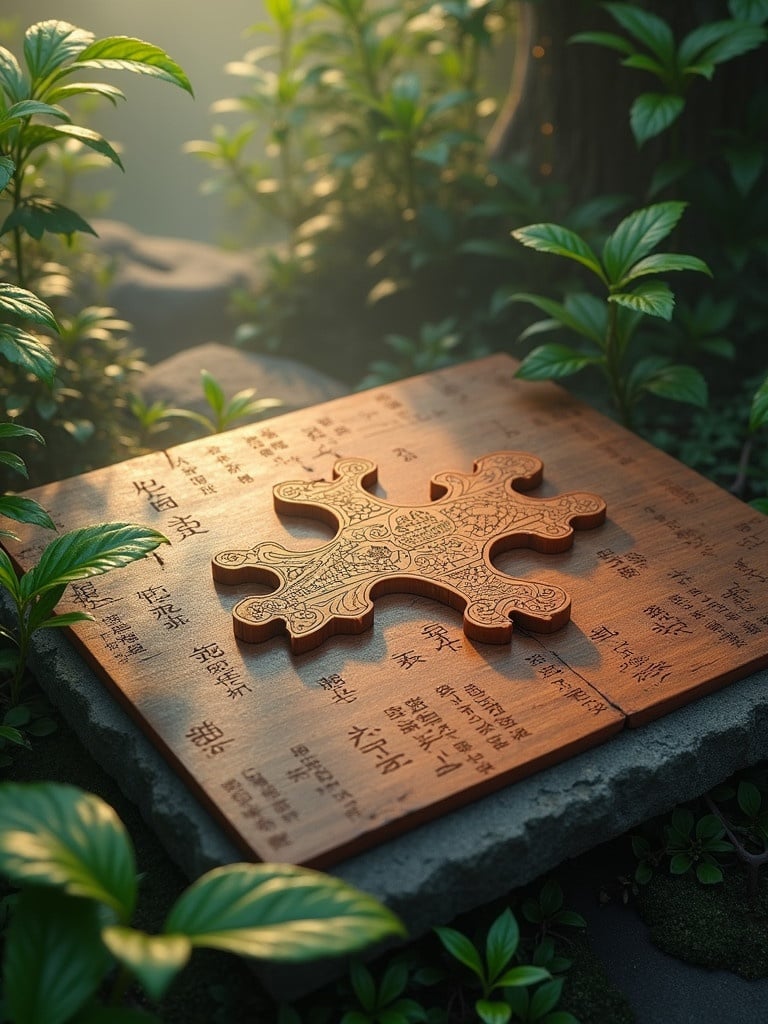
715	926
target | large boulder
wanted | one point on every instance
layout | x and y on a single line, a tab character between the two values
175	291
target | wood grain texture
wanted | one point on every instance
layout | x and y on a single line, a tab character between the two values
309	756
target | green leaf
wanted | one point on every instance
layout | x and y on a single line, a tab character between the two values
607	39
7	168
758	415
582	313
8	577
154	959
25	510
650	30
393	982
11	735
679	383
89	551
652	113
753	11
637	235
664	263
14	462
493	1012
551	897
654	298
501	943
57	835
280	912
16	301
461	949
546	998
93	141
8	430
30	353
709	826
363	986
550	362
682	821
571	919
749	798
122	53
37	214
213	392
644	62
708	874
517	977
719	41
680	863
54	959
559	241
11	77
49	44
109	92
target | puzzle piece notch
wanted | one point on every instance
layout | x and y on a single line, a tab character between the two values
442	551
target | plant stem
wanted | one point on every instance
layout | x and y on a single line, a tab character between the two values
753	861
613	367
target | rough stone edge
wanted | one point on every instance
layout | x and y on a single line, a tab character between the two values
467	857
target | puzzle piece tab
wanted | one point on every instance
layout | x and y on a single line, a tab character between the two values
442	550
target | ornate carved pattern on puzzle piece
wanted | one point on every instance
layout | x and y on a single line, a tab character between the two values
442	551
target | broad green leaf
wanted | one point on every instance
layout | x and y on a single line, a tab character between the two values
154	959
667	173
64	92
59	836
654	298
49	44
649	29
760	505
682	821
746	164
10	734
16	430
54	958
749	798
637	235
652	112
33	108
582	313
708	874
678	383
363	986
491	1012
25	510
758	415
14	462
89	551
7	168
754	11
280	912
501	943
26	350
93	141
680	863
12	80
19	302
550	362
546	998
122	53
551	897
607	39
8	577
664	263
38	214
393	982
523	975
66	619
719	41
213	392
560	241
461	949
644	62
709	826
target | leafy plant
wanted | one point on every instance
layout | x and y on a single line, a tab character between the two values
491	966
548	911
695	845
627	269
35	128
74	862
384	1003
225	413
650	46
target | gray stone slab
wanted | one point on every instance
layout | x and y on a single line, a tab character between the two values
467	857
